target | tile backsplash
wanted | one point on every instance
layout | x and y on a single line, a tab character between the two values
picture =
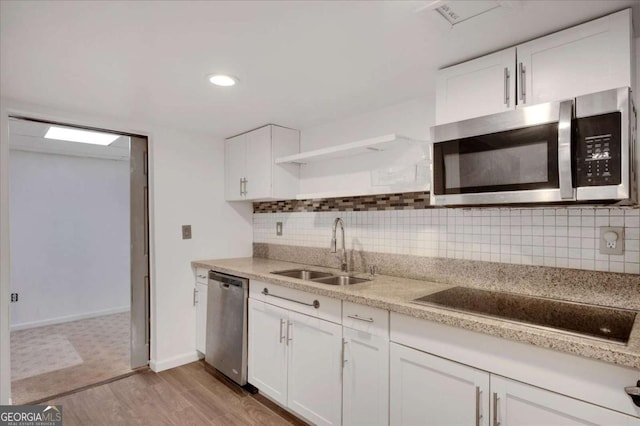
557	237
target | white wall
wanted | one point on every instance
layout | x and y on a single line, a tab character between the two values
69	237
412	118
186	187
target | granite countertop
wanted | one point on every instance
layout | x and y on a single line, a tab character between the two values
395	294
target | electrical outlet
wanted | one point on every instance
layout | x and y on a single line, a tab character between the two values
186	232
14	297
611	240
279	229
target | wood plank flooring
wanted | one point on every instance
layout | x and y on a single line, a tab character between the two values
187	395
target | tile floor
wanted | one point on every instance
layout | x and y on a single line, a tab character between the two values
57	358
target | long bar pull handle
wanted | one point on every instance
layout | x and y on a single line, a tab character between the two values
521	74
506	86
357	317
195	300
478	414
315	303
289	333
282	336
241	182
564	150
495	409
245	186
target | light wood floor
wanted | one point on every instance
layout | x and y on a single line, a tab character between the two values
187	395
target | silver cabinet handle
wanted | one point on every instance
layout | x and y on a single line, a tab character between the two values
202	276
289	334
478	414
195	292
521	73
241	182
355	316
245	186
564	150
315	303
344	352
495	409
282	336
506	86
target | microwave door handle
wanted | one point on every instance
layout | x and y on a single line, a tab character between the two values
564	150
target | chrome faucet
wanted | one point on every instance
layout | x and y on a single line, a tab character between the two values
334	243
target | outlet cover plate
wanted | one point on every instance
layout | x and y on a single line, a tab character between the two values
619	248
279	229
186	232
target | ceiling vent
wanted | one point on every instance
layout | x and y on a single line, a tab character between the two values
458	11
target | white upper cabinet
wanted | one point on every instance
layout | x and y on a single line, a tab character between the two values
588	58
250	169
480	87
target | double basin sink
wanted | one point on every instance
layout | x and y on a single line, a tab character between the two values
320	277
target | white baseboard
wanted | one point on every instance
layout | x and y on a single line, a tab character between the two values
59	320
176	361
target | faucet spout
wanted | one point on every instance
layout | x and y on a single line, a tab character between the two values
334	243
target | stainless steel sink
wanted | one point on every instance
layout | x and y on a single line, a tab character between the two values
340	280
303	274
609	324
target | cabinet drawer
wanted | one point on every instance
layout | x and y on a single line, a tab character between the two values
202	275
298	301
365	318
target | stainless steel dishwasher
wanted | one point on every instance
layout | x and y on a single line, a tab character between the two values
226	342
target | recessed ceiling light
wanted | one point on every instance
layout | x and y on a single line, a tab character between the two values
82	136
223	80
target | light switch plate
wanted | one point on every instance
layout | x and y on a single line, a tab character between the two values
186	232
279	229
614	248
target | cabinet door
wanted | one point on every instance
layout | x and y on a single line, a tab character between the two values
234	167
315	367
201	317
428	390
519	404
588	58
479	87
259	164
365	379
267	367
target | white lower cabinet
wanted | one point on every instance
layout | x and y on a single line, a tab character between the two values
518	404
296	360
428	390
314	379
267	367
365	379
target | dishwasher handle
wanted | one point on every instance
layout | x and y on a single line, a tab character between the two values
228	280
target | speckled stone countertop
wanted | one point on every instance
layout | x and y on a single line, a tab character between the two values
395	294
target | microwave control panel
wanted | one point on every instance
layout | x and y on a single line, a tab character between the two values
597	150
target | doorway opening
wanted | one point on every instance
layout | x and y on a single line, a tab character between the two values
79	256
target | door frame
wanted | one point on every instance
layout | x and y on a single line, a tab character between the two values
10	109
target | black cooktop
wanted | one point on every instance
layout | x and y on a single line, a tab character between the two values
610	324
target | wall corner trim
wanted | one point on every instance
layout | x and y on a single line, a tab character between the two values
175	361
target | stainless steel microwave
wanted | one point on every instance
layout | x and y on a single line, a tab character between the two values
578	150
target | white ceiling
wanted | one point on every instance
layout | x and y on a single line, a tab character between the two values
300	63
